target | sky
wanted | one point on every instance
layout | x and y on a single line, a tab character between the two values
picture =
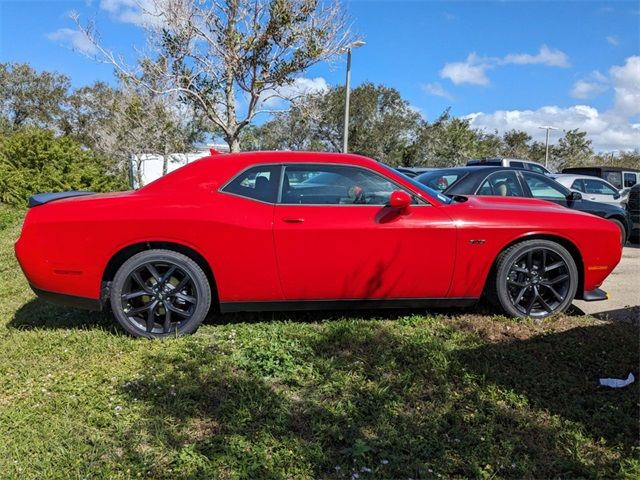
502	64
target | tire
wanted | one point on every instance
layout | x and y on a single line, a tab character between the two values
623	231
160	293
534	278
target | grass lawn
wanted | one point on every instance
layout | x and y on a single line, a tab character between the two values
324	395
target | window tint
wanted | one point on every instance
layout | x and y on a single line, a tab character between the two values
438	180
536	168
504	184
516	165
630	179
545	188
614	178
334	185
258	183
598	187
577	185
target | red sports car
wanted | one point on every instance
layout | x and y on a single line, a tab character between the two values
292	231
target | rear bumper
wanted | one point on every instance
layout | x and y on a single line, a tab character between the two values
595	295
69	300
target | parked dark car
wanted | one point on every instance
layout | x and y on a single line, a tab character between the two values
514	182
633	206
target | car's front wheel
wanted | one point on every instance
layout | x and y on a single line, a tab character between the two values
160	293
623	231
535	278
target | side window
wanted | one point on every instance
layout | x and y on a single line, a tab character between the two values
597	187
258	183
516	165
536	168
577	185
614	178
504	184
334	185
545	188
630	179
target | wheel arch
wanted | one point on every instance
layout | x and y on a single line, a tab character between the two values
121	256
568	244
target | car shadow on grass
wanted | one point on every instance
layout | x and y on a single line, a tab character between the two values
40	314
357	395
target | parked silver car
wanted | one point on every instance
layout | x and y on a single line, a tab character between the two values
592	188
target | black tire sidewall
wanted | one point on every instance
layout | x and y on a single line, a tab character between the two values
623	230
504	266
200	281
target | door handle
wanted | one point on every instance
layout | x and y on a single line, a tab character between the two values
293	220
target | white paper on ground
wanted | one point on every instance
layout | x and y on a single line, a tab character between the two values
617	382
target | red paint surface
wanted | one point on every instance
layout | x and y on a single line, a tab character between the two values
335	252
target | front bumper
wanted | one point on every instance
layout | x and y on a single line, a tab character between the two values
595	295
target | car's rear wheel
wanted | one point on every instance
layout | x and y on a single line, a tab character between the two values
623	231
160	293
535	278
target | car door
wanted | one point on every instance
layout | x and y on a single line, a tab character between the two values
336	239
597	190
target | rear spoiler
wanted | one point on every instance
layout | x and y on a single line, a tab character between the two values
42	198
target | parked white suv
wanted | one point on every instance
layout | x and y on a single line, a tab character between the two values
509	162
592	188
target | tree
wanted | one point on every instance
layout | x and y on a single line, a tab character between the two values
382	125
228	57
34	160
448	142
30	98
515	144
574	149
126	123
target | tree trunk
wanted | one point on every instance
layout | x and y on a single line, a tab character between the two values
234	145
165	161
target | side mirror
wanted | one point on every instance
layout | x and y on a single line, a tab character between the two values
574	196
616	196
400	200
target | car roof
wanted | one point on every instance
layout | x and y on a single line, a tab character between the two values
572	176
277	156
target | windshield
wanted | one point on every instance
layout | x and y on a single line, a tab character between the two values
440	180
423	188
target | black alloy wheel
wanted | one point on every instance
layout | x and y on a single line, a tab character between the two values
535	278
160	293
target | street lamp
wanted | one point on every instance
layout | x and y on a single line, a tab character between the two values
546	156
345	138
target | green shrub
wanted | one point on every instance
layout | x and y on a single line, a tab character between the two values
35	160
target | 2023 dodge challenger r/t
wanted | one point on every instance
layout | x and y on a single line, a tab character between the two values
292	230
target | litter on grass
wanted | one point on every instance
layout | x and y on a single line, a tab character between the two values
617	382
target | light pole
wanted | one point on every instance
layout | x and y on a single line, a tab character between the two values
345	138
546	155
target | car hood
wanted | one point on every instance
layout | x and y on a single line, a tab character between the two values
509	203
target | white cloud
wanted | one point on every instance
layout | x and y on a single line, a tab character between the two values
472	70
75	39
591	86
437	90
626	85
615	129
276	98
137	12
606	130
613	40
583	89
545	56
